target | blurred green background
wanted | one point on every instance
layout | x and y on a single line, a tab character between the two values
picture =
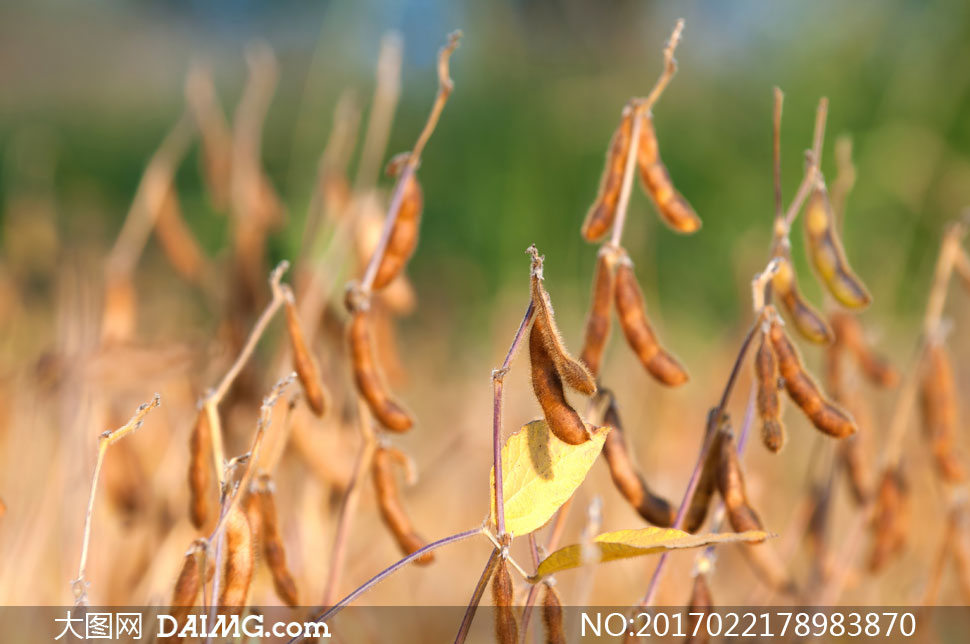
519	151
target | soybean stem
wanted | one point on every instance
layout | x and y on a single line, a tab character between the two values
498	376
387	572
445	86
476	599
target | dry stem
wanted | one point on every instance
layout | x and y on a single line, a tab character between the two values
476	599
349	501
215	396
386	93
155	182
776	152
105	440
813	158
445	86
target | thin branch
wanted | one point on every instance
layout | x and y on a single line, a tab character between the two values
498	377
349	502
626	188
105	440
845	175
387	572
813	157
670	67
386	93
214	396
476	599
776	152
152	188
963	268
445	86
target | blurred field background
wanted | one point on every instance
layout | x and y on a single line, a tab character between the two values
87	94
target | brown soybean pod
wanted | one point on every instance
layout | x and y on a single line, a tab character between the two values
809	323
673	208
176	239
627	479
639	334
573	372
598	322
769	401
506	628
189	580
240	561
876	368
804	392
939	406
828	257
562	419
701	501
200	476
853	460
392	511
404	235
603	211
187	586
890	522
303	361
730	483
552	616
700	605
273	548
369	380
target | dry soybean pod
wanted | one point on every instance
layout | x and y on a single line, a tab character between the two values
673	208
875	367
176	239
730	483
627	479
404	236
552	616
853	460
701	500
890	519
636	327
809	323
939	406
369	380
769	400
802	388
826	252
200	476
506	628
188	584
598	322
392	511
562	419
273	548
303	361
603	211
240	560
573	372
699	607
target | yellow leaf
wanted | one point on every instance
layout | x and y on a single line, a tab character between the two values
540	472
624	544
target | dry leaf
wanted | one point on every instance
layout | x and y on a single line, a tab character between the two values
540	472
624	544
